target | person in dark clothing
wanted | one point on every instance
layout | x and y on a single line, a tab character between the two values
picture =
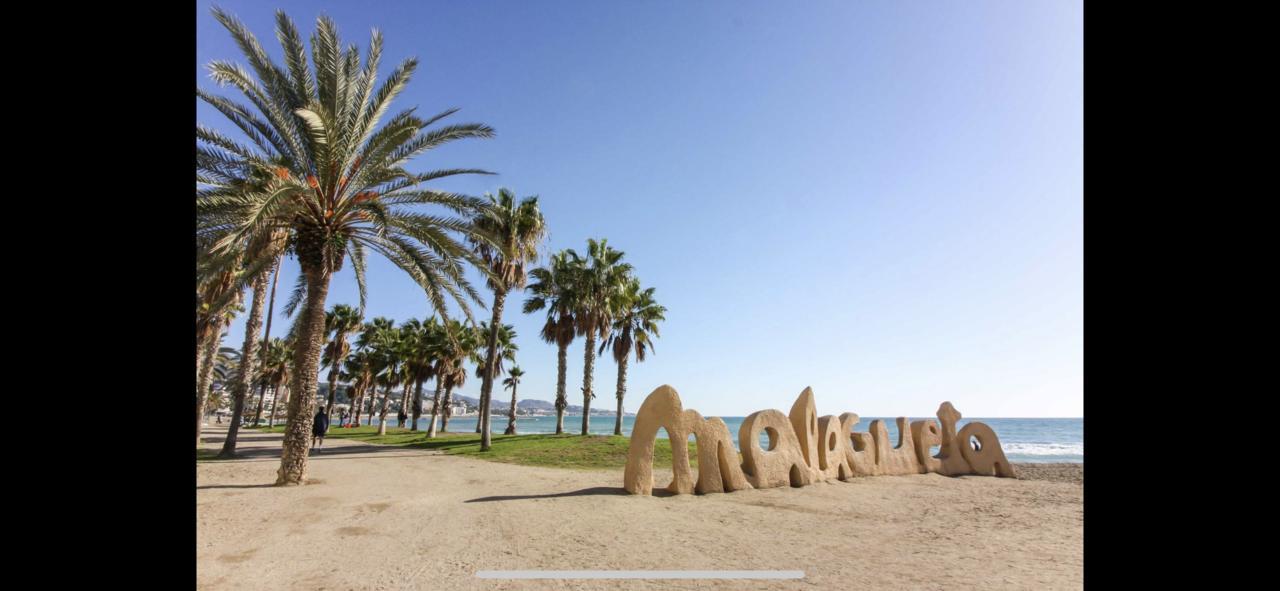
319	426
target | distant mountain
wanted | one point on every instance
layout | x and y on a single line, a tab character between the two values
536	404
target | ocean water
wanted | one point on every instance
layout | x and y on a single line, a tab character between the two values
1023	440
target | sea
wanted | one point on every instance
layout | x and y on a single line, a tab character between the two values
1023	440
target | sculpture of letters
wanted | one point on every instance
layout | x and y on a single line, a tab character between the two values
803	447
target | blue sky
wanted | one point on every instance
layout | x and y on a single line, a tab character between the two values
881	200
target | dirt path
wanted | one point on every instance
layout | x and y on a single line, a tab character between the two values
393	518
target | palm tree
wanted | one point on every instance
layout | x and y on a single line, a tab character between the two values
372	358
458	346
436	342
359	366
635	325
339	185
455	377
553	289
276	369
512	382
266	338
506	344
507	238
420	350
217	303
225	366
341	321
602	275
250	354
386	350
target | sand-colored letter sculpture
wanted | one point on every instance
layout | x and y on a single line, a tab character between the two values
803	447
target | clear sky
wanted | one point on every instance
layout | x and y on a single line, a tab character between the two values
881	200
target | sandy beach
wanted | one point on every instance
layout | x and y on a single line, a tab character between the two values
378	517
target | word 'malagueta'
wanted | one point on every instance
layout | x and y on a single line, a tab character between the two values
803	447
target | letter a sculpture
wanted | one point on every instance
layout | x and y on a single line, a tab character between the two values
803	448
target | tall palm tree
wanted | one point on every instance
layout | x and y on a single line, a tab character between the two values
217	303
507	237
225	366
553	289
635	324
365	343
277	370
457	349
386	349
403	352
436	341
341	321
250	350
602	275
506	349
340	186
420	349
266	339
512	382
359	367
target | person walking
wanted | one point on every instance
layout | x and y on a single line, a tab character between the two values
319	425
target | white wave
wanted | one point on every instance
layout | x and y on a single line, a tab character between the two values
1044	449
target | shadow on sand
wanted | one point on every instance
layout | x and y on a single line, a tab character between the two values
208	486
593	491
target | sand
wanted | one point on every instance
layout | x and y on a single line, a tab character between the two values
380	517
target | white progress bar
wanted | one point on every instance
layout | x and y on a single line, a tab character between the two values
640	574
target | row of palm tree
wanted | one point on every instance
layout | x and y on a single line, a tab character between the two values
321	174
407	356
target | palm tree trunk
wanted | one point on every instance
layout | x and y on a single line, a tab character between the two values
622	391
490	365
588	366
511	414
373	402
262	395
333	386
306	366
435	406
417	404
404	405
205	378
246	373
266	339
382	416
275	401
357	405
447	411
561	402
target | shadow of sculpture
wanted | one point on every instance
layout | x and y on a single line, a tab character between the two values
593	491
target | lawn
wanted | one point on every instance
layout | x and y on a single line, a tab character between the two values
594	452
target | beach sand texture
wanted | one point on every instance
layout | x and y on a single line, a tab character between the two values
393	518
